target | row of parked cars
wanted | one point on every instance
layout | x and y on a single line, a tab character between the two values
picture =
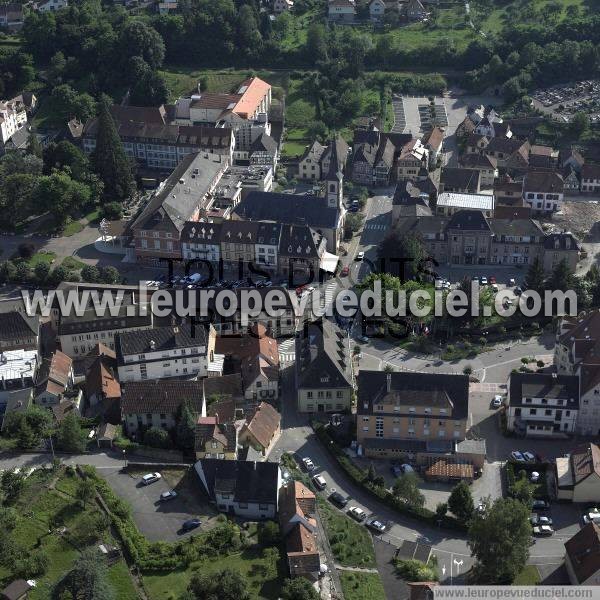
341	501
150	478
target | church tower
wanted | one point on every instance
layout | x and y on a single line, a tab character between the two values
334	179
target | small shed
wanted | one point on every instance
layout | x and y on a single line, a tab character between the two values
442	470
106	435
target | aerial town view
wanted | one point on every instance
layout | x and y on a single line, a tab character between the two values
299	299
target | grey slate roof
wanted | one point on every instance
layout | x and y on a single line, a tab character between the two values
14	326
322	359
468	220
164	338
415	389
250	482
293	209
166	396
544	385
460	179
175	201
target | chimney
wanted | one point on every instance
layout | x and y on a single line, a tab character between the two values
389	382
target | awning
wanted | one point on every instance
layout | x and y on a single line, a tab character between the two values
329	262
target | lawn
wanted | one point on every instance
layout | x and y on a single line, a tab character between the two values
448	26
39	506
494	20
182	81
72	263
528	576
350	542
71	228
41	257
361	586
262	577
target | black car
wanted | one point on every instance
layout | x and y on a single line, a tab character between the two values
191	524
540	505
337	499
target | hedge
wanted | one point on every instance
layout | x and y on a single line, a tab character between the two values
380	493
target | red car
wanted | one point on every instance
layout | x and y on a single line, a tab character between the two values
344	272
492	280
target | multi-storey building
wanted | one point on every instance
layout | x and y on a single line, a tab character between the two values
145	404
151	139
186	195
469	238
398	413
323	369
201	241
590	178
543	191
542	404
238	242
315	162
165	352
13	125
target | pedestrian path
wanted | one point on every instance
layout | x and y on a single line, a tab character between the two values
493	388
375	226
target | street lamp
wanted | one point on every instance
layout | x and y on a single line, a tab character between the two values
124	459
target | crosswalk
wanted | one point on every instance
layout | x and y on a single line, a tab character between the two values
375	226
491	388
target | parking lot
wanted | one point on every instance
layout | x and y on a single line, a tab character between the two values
162	520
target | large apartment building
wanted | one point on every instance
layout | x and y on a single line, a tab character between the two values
323	369
186	195
152	140
404	412
469	238
542	404
165	352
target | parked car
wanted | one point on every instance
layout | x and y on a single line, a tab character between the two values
534	477
364	339
337	499
357	513
170	495
529	456
360	256
516	455
150	478
512	282
540	505
492	280
319	482
375	524
518	291
191	524
483	280
345	271
308	464
536	519
497	401
543	530
406	468
592	515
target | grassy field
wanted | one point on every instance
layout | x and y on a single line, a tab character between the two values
262	577
43	506
492	21
361	586
350	542
528	576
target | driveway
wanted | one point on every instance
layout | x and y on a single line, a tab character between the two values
161	521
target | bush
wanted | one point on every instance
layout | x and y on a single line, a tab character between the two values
112	211
268	533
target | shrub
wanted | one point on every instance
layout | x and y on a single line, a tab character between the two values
26	250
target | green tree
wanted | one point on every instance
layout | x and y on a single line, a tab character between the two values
59	274
110	160
41	270
12	485
415	570
269	534
298	589
157	438
109	275
579	124
70	436
34	148
29	426
406	488
226	584
90	274
140	39
89	528
460	502
85	491
61	196
441	509
499	541
522	489
562	277
87	580
536	276
186	427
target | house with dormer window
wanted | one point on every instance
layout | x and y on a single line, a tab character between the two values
201	241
